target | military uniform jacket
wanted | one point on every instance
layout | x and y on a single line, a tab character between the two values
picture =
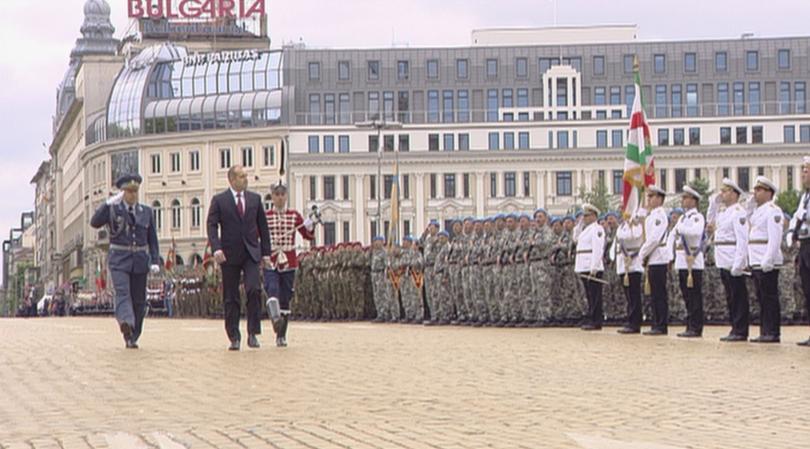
590	249
765	236
133	244
629	238
654	250
378	260
731	238
802	218
688	237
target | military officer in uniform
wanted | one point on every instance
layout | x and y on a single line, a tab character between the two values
626	251
589	237
656	258
801	233
133	253
765	257
730	229
690	239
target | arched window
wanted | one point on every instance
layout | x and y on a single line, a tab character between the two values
178	260
176	211
157	214
196	260
196	213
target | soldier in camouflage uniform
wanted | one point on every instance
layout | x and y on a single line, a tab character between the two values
397	270
411	293
357	289
568	305
489	263
524	301
538	306
478	288
379	279
715	307
508	277
300	288
454	267
791	302
466	270
429	243
615	305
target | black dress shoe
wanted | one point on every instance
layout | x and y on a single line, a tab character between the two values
765	339
733	338
234	345
628	330
690	334
804	343
590	327
253	342
654	332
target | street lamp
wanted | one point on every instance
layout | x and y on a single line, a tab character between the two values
380	125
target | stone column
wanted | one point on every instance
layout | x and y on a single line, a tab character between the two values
480	194
360	210
419	204
540	201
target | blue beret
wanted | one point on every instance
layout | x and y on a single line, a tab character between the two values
579	213
525	215
434	222
500	216
444	233
489	219
677	210
540	209
612	214
569	217
469	218
379	238
133	179
555	220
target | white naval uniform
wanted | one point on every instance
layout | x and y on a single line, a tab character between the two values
802	215
654	249
731	238
690	227
590	249
629	238
765	237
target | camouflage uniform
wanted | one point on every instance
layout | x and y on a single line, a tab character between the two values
411	295
456	280
567	305
789	297
431	249
614	302
525	304
539	305
397	266
442	303
714	294
467	280
479	287
495	297
380	283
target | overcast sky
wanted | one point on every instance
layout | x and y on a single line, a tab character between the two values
37	37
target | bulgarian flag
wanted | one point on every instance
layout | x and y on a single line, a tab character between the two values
639	163
171	257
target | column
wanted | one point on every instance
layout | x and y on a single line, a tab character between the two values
550	192
360	209
712	178
480	197
797	178
500	184
776	176
299	192
420	202
670	180
540	201
588	174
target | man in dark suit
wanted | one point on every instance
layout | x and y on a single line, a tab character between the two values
237	232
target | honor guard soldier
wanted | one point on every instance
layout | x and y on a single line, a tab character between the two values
801	233
627	252
730	229
765	257
690	238
656	258
133	253
589	264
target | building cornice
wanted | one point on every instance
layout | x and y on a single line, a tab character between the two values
64	125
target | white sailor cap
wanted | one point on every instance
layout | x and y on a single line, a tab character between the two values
691	192
590	208
806	160
765	183
732	185
657	190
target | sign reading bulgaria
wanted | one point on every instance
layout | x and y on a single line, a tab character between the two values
192	9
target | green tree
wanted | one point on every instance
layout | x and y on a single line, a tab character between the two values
598	197
702	187
788	201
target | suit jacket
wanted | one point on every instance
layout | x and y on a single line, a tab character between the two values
238	236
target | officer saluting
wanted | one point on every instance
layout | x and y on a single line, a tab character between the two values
656	258
590	239
133	253
801	233
765	257
689	239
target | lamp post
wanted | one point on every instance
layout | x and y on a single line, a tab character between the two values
380	125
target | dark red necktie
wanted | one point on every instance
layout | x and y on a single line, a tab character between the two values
239	206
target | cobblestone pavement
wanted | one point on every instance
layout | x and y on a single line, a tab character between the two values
69	383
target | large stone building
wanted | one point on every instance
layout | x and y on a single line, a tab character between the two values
20	272
517	120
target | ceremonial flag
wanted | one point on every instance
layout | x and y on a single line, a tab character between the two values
639	163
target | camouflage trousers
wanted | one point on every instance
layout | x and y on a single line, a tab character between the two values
379	284
457	291
479	293
510	305
495	296
442	302
541	284
526	303
411	299
430	291
467	293
567	301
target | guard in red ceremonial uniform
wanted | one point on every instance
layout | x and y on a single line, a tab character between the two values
279	277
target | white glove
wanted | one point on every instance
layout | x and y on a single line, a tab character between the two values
593	273
115	199
155	269
717	199
767	267
736	272
309	224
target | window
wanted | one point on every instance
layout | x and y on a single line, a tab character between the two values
373	144
463	106
523	98
617	135
494	141
328	144
269	155
345	189
433	185
804	133
790	177
464	142
601	138
343	144
618	181
313	188
314	109
680	179
660	63
722	99
492	68
388	143
344	70
599	96
790	134
662	179
751	60
373	70
329	237
784	97
742	134
615	95
404	142
739	98
374	229
721	61
448	111
175	158
527	184
462	69
433	142
492	105
677	101
663	137
372	189
629	97
547	63
725	135
328	187
744	178
433	106
783	57
314	144
691	100
493	185
346	231
450	186
155	163
433	69
690	63
564	183
678	136
598	65
388	182
314	71
756	134
194	160
406	186
661	100
388	105
403	70
523	140
694	136
522	67
157	214
449	142
562	139
466	185
225	158
403	106
576	63
754	98
176	212
509	141
628	63
507	98
509	188
196	213
800	97
247	156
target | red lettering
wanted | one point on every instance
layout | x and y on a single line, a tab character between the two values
154	9
170	14
134	9
256	8
226	8
241	9
190	8
208	7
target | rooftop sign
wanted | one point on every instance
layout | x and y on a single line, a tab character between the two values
194	9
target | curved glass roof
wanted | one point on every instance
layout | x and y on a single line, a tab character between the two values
162	90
